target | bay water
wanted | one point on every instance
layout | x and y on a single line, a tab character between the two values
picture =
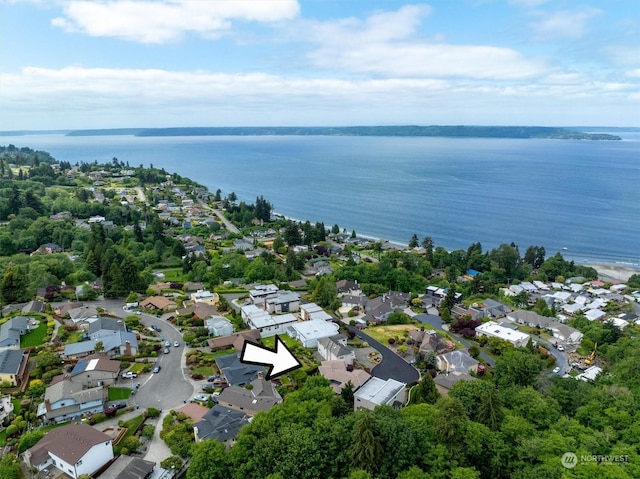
581	198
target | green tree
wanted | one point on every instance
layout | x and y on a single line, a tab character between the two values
326	292
413	242
172	463
209	461
13	287
366	449
517	367
490	411
425	391
450	421
427	244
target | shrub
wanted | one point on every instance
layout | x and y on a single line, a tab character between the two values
152	412
391	340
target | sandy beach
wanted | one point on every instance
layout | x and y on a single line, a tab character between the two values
610	272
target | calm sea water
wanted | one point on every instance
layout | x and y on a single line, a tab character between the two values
579	195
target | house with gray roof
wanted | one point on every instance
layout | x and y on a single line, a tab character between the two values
262	396
334	348
128	467
75	450
221	424
237	373
283	302
218	326
457	362
12	330
13	366
65	400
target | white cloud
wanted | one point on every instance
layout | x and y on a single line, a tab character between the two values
167	20
633	73
77	97
386	44
562	24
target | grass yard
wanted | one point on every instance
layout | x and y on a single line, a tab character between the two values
34	337
137	368
217	354
270	342
173	275
204	370
119	394
383	333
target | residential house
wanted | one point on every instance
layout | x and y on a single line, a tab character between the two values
220	424
589	374
595	314
112	335
430	340
310	332
158	302
65	400
12	330
218	326
348	287
283	302
308	309
354	301
48	248
261	292
198	310
204	296
34	306
338	374
560	331
565	333
93	371
194	411
493	329
128	467
63	309
235	340
489	308
457	362
377	392
13	366
434	295
82	315
335	348
266	324
262	396
192	286
237	373
76	450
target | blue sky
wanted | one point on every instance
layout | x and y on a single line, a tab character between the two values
116	63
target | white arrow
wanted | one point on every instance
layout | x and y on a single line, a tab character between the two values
280	360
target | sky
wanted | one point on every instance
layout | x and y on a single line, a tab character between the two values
165	63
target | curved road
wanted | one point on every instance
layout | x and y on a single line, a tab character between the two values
391	365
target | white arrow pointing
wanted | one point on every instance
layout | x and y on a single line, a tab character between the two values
279	360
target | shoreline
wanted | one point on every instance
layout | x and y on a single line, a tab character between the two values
614	273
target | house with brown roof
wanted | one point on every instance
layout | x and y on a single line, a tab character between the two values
198	310
193	411
429	340
96	370
235	340
74	450
339	375
159	302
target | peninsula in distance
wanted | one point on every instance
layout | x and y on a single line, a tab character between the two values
461	131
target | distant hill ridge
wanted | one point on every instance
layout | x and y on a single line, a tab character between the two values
461	131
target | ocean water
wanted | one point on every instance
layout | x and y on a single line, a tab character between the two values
578	197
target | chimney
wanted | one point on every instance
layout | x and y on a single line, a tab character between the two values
260	375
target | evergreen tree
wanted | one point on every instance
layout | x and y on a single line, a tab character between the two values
425	391
413	242
489	410
346	393
13	287
366	448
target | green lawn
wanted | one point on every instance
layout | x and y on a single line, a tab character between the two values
173	275
34	337
204	370
217	354
117	394
137	367
270	342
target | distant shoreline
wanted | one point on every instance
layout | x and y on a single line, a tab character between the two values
449	131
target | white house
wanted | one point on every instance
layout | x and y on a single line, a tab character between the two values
261	292
590	374
334	348
218	326
493	329
595	314
203	296
309	332
376	392
306	310
266	324
75	450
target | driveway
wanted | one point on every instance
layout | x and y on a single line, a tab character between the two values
391	365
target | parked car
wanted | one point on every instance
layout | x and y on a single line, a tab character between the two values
167	344
201	397
156	369
166	350
110	411
212	378
560	347
119	405
129	375
208	388
156	328
556	370
176	344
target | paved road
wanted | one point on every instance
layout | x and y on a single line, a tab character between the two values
437	323
392	365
